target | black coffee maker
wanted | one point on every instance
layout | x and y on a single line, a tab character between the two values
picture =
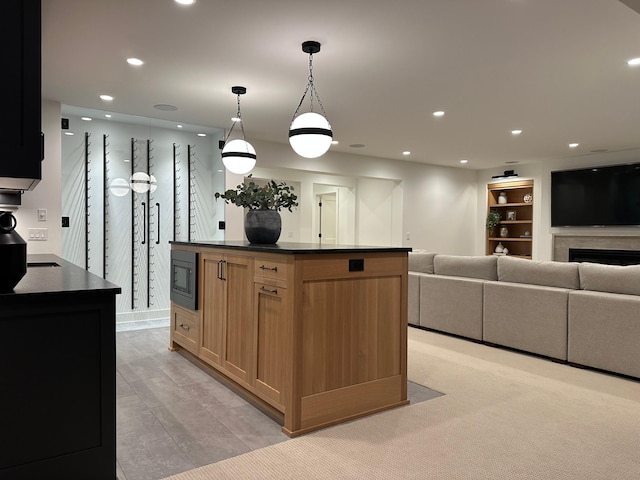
13	253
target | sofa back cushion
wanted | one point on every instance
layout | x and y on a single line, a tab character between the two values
421	261
610	278
546	273
482	267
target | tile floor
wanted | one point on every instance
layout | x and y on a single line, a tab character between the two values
172	417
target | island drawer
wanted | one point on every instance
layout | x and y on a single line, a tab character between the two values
185	328
273	272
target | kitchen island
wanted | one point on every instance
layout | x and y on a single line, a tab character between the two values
314	335
57	366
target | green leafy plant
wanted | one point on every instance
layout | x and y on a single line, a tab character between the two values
493	218
272	196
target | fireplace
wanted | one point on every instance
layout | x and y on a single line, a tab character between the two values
610	257
562	244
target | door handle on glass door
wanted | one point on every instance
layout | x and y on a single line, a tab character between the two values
158	240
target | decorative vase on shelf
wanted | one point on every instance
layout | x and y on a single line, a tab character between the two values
499	248
262	226
504	232
505	251
502	197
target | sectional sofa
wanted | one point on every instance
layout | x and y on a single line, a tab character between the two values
584	314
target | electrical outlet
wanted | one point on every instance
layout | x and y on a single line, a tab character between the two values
407	236
42	214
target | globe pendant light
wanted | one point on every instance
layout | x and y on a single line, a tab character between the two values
238	155
310	134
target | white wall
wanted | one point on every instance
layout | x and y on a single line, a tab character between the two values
47	193
441	208
541	175
436	205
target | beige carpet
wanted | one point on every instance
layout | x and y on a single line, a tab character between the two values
504	415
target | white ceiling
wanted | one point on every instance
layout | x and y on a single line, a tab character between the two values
554	68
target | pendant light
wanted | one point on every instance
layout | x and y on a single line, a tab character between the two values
310	134
238	155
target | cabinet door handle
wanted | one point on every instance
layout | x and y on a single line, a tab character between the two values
184	327
273	269
221	269
268	290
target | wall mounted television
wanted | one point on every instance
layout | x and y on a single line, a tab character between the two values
596	196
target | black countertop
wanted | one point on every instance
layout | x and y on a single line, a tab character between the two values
48	274
293	248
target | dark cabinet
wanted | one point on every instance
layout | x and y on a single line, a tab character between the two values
20	164
57	365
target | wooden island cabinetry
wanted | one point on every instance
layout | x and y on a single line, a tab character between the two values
312	335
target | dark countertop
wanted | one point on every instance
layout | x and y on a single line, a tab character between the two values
294	248
51	274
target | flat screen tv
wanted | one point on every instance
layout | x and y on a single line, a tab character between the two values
597	196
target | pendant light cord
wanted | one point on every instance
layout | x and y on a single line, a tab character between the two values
314	92
233	124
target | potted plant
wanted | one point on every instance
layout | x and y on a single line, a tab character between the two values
262	222
493	218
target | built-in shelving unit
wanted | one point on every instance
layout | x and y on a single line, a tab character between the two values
517	217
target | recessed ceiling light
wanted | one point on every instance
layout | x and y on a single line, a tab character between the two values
573	145
334	142
165	107
179	126
86	119
202	134
107	115
406	152
107	98
185	2
633	62
69	133
439	113
134	61
516	132
464	161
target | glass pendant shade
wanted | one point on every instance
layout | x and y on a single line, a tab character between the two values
238	156
310	135
140	182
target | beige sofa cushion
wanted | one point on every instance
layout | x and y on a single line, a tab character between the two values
421	261
452	305
604	329
482	267
545	273
532	318
610	278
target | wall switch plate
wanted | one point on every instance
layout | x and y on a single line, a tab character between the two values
38	234
42	214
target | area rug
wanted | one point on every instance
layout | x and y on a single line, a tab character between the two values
503	415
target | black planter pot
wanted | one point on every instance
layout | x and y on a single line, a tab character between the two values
13	253
262	226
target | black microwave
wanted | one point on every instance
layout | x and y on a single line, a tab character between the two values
184	278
